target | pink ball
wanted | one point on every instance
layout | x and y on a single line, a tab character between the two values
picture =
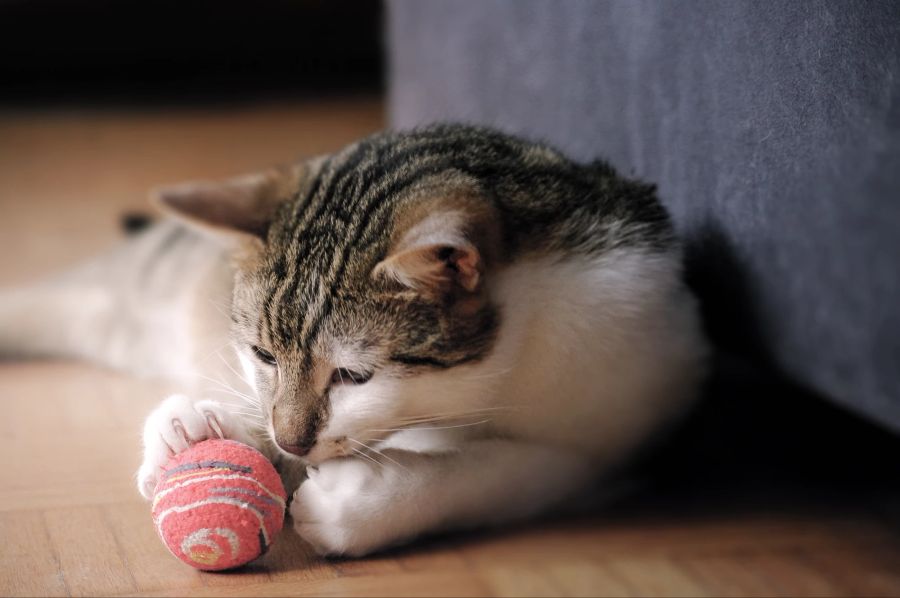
218	505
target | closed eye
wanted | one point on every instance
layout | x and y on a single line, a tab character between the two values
347	376
264	356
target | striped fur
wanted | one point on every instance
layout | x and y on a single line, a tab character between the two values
477	322
313	281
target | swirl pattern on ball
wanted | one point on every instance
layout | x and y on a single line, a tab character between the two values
218	505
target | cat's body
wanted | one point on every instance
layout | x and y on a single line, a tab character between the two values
455	328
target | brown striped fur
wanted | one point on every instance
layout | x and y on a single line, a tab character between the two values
311	279
453	326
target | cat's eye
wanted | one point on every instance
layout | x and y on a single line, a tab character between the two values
347	376
264	356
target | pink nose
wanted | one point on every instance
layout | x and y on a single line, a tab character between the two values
296	449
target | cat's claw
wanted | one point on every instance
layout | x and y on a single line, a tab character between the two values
174	426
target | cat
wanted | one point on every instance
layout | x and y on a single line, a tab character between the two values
442	328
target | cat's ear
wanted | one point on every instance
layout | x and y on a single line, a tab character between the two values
243	205
443	254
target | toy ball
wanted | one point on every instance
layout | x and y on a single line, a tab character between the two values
218	505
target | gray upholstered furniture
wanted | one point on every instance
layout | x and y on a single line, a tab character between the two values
771	128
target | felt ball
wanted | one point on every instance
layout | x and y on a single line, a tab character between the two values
218	505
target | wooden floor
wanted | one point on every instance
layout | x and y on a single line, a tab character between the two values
72	522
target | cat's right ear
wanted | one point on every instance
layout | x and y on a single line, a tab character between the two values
443	250
243	206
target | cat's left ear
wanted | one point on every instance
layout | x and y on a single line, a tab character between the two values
243	205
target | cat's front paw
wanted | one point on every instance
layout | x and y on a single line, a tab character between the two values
177	424
344	507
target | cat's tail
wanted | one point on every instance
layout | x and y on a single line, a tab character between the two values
53	319
135	308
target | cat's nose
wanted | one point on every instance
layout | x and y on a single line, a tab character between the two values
301	450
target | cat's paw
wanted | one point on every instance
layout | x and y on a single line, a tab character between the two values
177	424
343	507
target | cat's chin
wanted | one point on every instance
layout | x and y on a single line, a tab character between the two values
290	458
318	455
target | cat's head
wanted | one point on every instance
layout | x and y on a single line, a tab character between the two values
361	297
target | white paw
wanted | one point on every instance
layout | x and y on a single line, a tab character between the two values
343	507
177	424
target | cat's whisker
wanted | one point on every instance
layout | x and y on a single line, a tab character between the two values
255	428
228	388
365	456
216	350
232	392
379	453
248	416
219	382
252	417
219	308
414	427
470	411
248	411
244	410
438	416
236	373
446	417
489	374
242	403
240	407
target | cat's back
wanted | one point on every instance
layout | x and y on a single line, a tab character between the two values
545	201
601	340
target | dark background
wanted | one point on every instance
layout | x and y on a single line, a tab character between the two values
54	52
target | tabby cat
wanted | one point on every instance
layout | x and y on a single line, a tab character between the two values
438	329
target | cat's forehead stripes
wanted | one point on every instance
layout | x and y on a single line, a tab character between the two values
292	242
325	239
346	214
318	246
312	231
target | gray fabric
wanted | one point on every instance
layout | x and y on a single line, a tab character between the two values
772	129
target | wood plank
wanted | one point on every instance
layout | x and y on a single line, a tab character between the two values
89	556
602	539
873	570
406	584
432	556
519	581
150	563
728	576
791	575
83	455
653	576
293	560
580	577
29	565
